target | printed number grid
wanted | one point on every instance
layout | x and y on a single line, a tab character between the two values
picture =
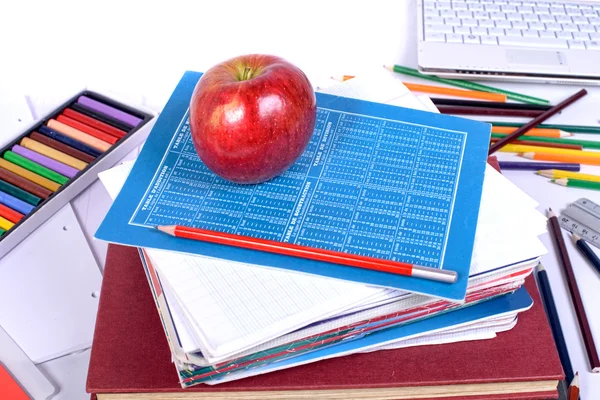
369	186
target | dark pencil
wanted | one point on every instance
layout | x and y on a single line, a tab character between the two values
566	128
587	251
489	104
559	337
506	112
537	166
536	121
584	325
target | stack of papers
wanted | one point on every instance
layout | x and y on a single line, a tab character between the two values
226	319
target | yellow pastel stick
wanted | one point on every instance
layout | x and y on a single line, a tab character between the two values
27	174
52	153
559	174
78	135
521	148
5	224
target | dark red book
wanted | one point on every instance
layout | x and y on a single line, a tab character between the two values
130	357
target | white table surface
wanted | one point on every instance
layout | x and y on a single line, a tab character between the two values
139	51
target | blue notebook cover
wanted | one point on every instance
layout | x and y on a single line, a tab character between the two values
376	180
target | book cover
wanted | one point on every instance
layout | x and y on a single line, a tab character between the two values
376	180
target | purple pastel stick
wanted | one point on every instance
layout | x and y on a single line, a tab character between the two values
47	162
108	110
536	166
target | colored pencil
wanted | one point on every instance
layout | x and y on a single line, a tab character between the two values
523	148
80	108
87	129
577	183
584	325
566	128
68	141
587	251
76	134
24	184
47	162
294	250
467	85
458	110
16	204
536	121
19	193
27	174
52	153
558	174
95	123
537	132
536	166
566	158
5	224
552	314
543	144
2	231
63	148
574	388
35	167
10	214
586	144
489	104
472	94
110	111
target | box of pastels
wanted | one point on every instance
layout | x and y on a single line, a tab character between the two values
61	155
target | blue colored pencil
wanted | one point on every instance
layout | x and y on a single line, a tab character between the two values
14	203
552	314
537	166
51	133
587	251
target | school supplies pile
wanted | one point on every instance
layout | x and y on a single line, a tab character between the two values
378	180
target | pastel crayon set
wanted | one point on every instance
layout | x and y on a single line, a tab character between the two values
60	156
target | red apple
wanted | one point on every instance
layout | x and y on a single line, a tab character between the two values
251	117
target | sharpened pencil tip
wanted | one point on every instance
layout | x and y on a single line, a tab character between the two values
540	267
551	213
575	237
388	67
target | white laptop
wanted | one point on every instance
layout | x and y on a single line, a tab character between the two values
546	41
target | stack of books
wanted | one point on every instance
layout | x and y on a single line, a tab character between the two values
230	314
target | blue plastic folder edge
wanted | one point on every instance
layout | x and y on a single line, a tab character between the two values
115	227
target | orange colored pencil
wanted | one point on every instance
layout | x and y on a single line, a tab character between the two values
311	253
539	132
544	144
471	94
568	158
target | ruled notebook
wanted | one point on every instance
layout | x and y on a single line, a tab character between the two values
343	184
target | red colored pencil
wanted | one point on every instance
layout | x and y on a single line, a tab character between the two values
289	249
584	325
10	214
87	129
464	110
574	388
111	130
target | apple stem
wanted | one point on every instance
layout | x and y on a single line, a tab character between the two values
246	74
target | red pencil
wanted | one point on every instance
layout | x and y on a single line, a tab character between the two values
574	388
289	249
10	214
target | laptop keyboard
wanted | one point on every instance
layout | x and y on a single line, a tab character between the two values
541	24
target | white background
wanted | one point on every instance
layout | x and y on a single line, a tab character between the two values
139	50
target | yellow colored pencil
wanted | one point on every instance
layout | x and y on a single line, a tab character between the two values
559	174
471	94
521	148
5	224
78	135
27	174
539	132
48	151
565	158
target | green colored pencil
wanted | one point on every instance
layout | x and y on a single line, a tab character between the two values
468	85
19	193
566	128
2	231
577	183
35	167
587	144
